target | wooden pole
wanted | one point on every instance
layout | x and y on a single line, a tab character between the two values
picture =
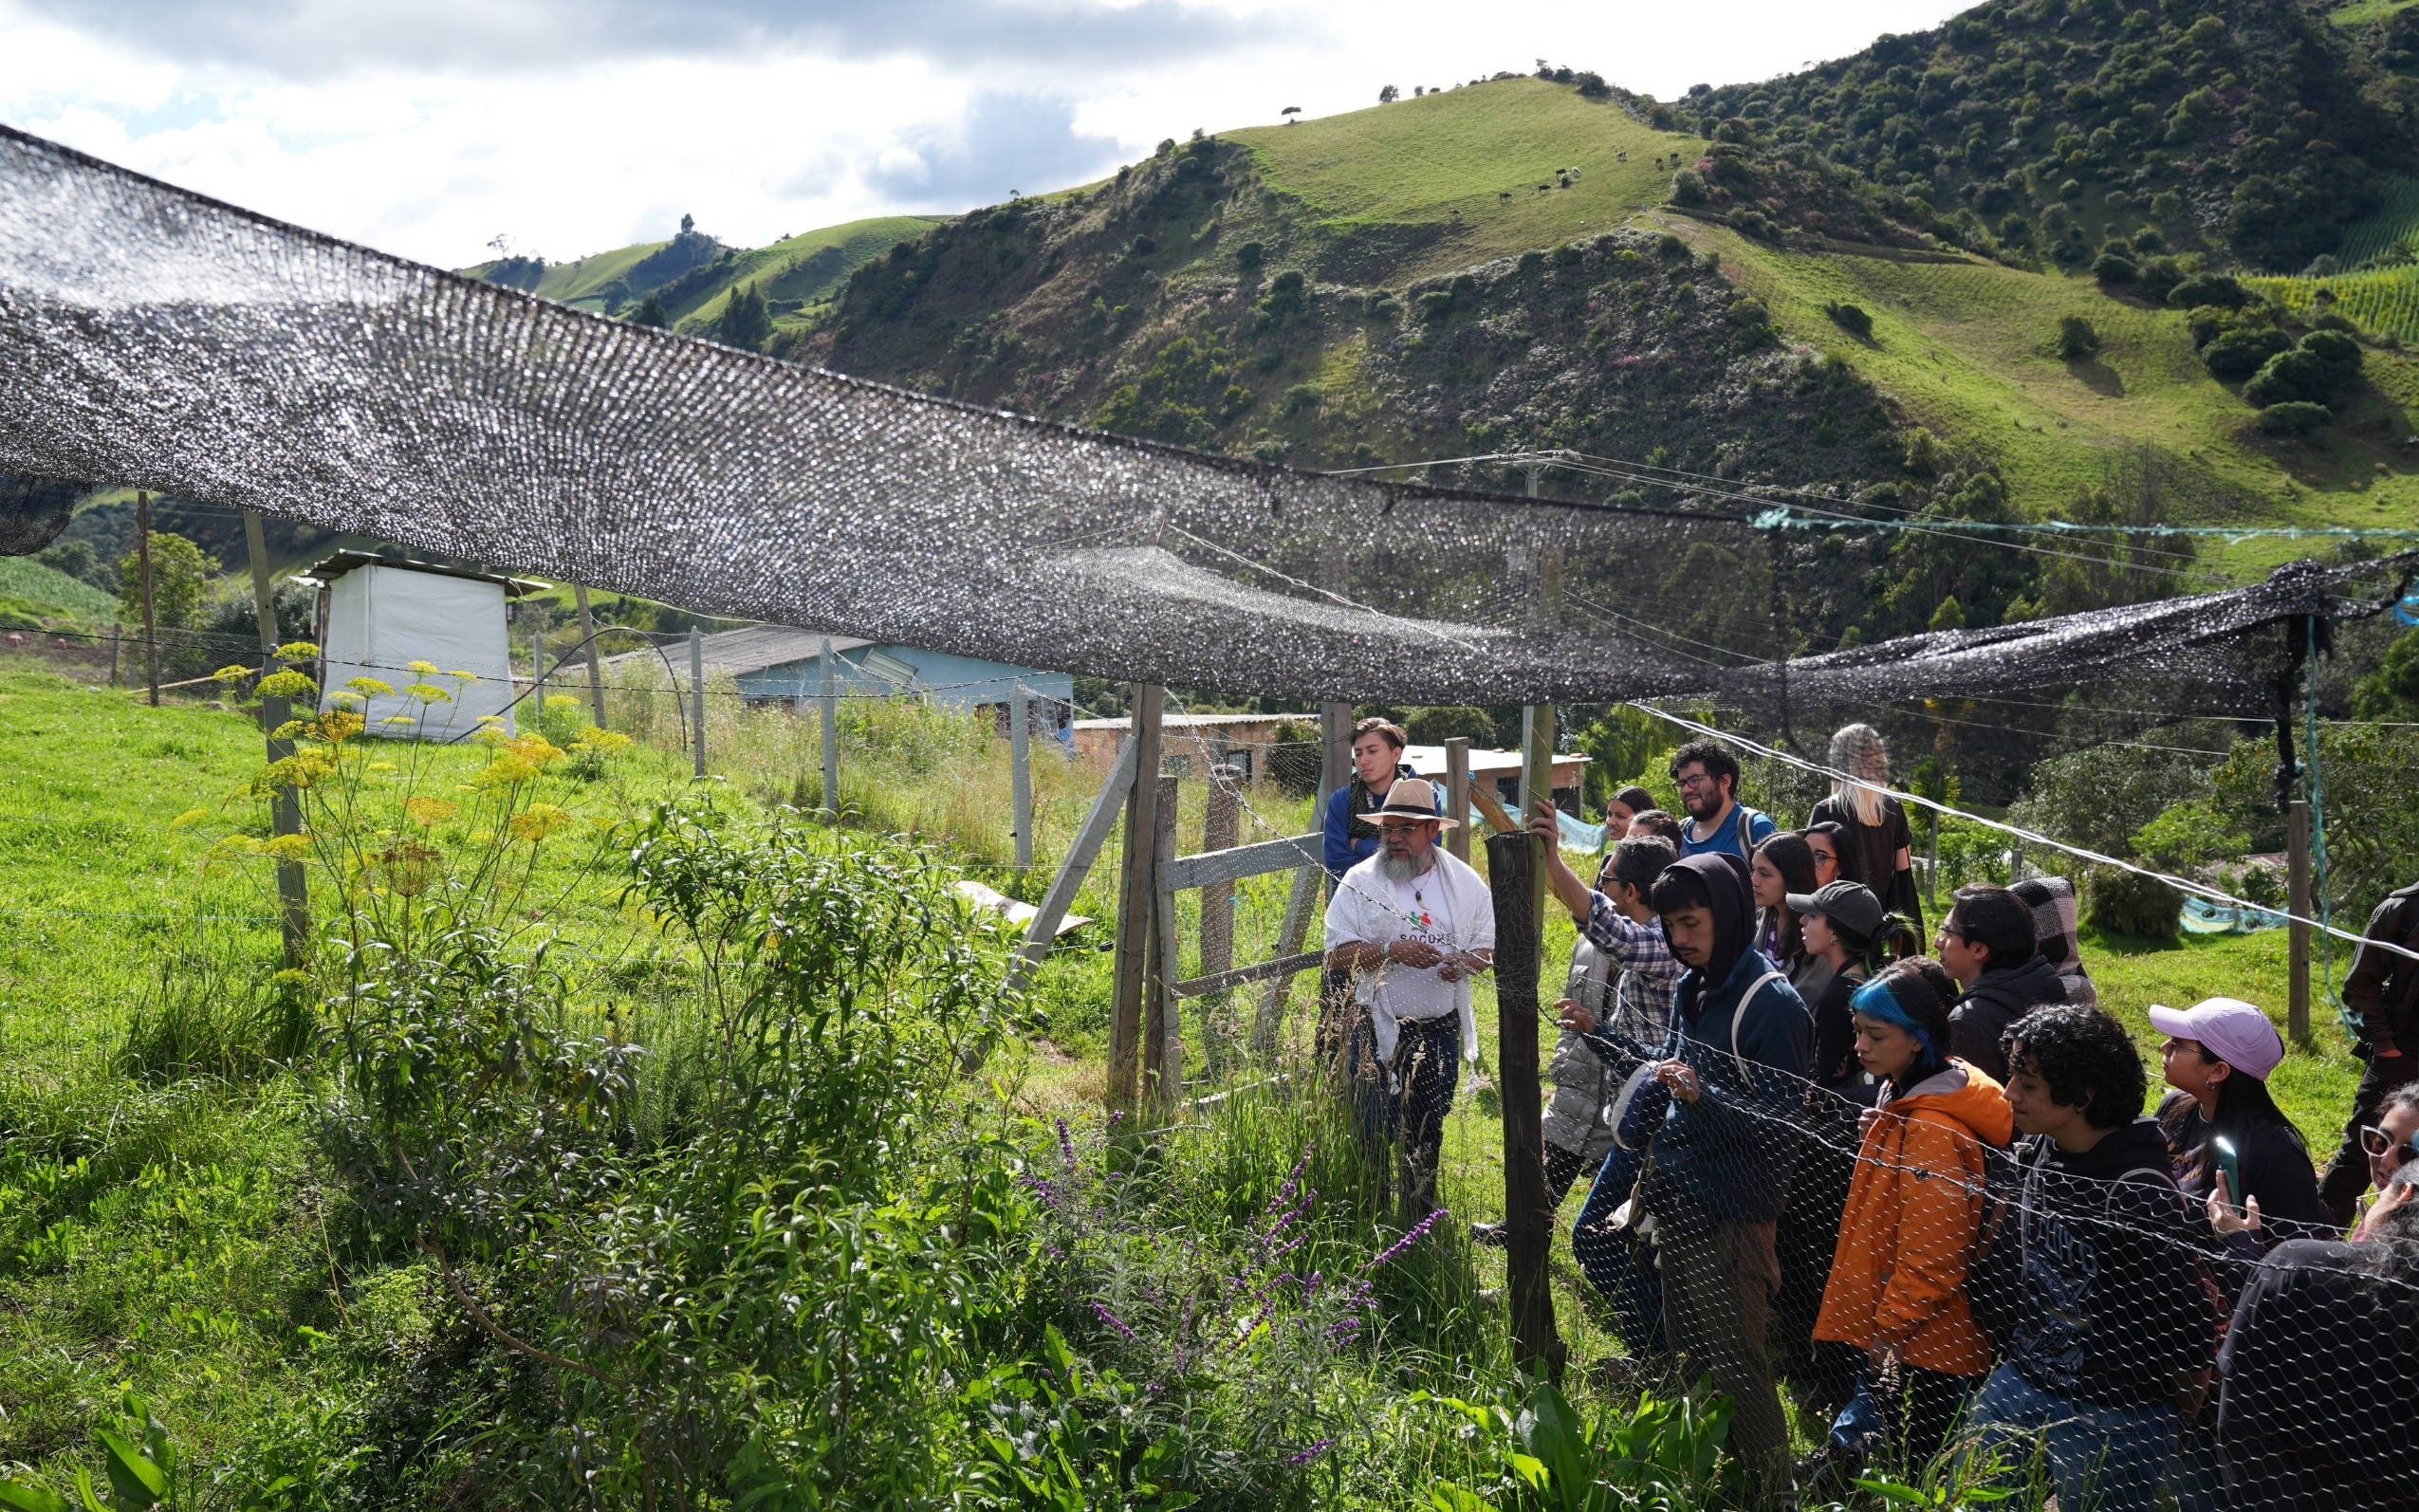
285	809
2296	872
697	694
1162	1048
1536	782
830	711
1335	750
151	626
1511	865
1136	890
589	643
1021	774
537	669
115	632
1457	796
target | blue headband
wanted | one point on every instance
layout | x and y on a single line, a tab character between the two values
1876	1001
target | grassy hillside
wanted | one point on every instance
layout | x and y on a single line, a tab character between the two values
694	276
1446	160
48	589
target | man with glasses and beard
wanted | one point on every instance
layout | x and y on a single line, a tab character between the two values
1709	782
1412	925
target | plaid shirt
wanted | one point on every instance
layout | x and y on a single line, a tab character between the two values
1650	972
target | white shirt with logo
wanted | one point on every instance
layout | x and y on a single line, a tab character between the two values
1447	907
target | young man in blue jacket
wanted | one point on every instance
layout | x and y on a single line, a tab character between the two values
1377	764
1718	1170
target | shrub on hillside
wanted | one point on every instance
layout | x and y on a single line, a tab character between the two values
2293	417
1850	318
2159	276
1688	187
1248	257
2125	902
2075	338
2116	268
2238	354
2208	288
2324	369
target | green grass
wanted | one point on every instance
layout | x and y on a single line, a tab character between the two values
2361	12
24	577
1416	161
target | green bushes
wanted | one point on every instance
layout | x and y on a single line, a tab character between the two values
2075	338
1850	318
2122	902
2293	418
2238	354
2322	369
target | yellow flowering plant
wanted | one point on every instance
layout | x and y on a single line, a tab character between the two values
401	838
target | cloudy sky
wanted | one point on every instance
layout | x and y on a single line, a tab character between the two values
432	128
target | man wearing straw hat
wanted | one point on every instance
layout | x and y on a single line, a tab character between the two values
1412	925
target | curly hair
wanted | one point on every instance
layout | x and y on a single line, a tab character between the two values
1718	762
2085	1056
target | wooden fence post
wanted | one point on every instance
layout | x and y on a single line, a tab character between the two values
697	693
588	644
1457	796
151	626
1335	747
285	809
1021	774
830	711
116	631
1511	865
1136	890
537	669
1334	769
1162	1047
1537	783
2296	872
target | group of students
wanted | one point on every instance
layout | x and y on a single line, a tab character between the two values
1921	1192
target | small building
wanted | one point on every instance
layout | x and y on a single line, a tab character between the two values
1503	768
377	614
777	664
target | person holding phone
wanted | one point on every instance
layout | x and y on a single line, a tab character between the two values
2234	1150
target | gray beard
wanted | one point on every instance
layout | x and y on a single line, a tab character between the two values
1402	869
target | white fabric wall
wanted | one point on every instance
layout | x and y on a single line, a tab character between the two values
381	618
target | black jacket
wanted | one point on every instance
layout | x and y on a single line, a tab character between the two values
1999	999
2379	995
2114	1306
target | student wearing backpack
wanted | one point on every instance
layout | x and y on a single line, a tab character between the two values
2108	1311
1708	777
1718	1168
2381	1000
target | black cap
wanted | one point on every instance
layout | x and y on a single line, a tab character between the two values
1849	905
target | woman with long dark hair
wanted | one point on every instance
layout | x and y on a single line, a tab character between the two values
1834	853
1784	864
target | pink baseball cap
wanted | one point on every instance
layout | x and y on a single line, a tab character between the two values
2228	1029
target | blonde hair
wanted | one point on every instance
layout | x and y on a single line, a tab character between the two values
1859	751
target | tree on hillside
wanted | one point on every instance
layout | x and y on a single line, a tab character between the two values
745	323
650	312
688	224
1389	95
180	576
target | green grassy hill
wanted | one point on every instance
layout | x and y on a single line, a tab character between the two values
694	275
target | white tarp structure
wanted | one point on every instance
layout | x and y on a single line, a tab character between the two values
381	618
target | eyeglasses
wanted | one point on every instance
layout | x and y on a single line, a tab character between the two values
1700	780
2379	1143
1405	827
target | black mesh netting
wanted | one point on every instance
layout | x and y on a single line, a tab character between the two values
160	339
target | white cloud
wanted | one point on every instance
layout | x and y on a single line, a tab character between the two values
427	130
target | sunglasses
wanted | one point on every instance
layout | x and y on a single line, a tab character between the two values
2379	1143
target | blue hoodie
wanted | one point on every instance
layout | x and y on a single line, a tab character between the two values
1727	1155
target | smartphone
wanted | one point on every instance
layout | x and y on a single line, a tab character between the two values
2229	1163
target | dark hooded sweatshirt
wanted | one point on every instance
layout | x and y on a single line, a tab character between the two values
1997	1000
2113	1308
1727	1155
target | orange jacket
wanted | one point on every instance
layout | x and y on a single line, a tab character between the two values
1914	1207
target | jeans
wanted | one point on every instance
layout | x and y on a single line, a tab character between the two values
1407	1102
2102	1459
1616	1261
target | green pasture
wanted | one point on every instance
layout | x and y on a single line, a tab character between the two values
1419	161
